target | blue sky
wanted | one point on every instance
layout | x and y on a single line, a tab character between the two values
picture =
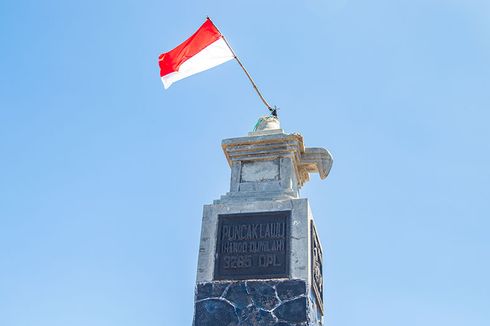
103	174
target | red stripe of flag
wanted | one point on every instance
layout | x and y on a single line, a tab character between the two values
171	61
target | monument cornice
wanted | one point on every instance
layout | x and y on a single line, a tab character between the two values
262	147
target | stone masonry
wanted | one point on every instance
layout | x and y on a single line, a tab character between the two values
250	303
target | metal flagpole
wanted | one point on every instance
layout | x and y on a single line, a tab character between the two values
272	110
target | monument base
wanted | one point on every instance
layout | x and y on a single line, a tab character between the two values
254	303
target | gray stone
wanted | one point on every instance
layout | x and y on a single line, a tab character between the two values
215	312
267	170
263	294
290	289
277	145
210	290
292	311
260	171
237	294
254	316
251	302
300	233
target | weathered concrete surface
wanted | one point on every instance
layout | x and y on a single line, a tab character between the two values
267	170
274	145
260	171
300	233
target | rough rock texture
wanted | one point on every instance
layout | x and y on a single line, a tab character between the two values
215	312
254	303
293	310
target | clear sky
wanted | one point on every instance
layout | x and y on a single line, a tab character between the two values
103	174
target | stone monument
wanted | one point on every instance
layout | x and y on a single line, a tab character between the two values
260	258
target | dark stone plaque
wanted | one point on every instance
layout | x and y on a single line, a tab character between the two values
317	267
252	246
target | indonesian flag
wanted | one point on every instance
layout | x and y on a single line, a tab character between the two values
205	49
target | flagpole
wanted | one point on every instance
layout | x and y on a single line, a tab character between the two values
272	110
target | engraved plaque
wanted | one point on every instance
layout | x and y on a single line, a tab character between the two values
317	267
252	246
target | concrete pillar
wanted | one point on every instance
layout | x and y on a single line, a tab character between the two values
260	258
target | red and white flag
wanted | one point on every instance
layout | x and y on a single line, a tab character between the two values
205	49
